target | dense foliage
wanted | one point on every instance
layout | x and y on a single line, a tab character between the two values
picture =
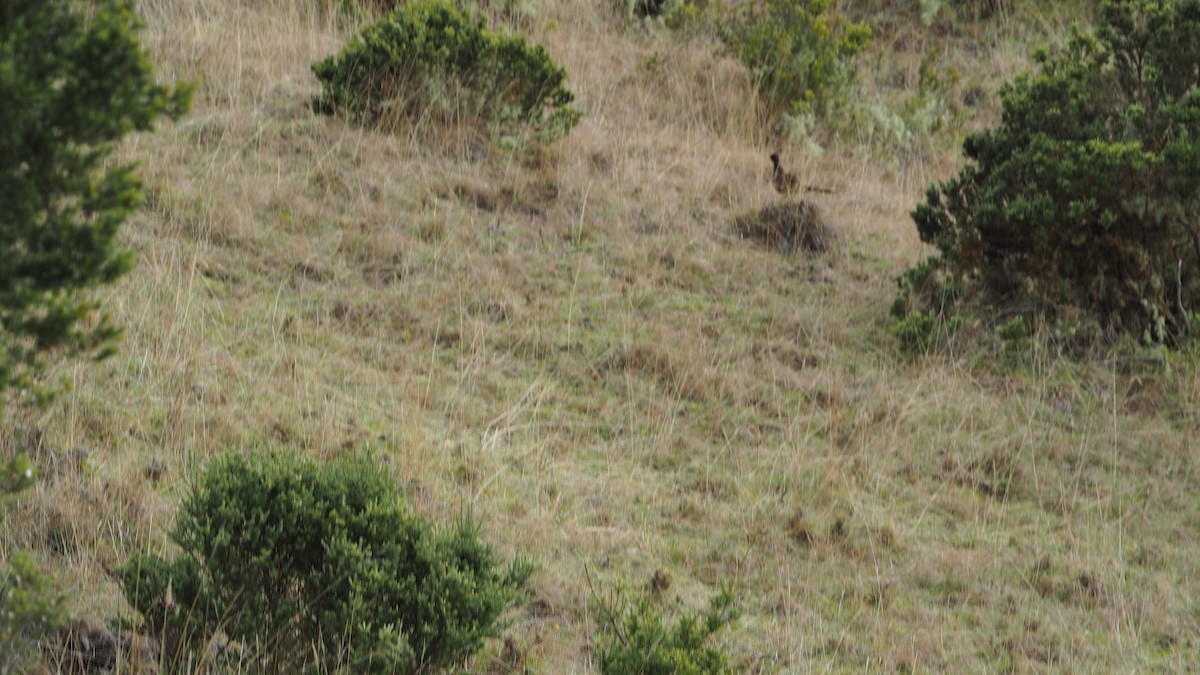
1085	201
321	566
72	86
430	57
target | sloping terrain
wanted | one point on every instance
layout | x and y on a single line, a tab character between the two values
585	354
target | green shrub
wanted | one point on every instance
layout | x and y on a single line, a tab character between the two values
431	57
72	87
1087	196
797	51
635	638
321	566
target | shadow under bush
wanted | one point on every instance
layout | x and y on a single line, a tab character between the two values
322	567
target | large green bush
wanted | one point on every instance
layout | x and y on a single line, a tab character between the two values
71	87
320	567
1085	200
430	57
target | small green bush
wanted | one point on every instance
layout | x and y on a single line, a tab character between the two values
636	638
320	566
432	57
1087	196
798	52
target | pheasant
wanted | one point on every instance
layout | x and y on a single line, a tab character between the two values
785	183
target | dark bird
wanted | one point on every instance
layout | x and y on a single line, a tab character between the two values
785	183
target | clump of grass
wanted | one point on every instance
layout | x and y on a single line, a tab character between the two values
789	227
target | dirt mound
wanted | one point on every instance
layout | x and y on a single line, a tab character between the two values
789	227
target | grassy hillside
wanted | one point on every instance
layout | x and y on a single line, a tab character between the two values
585	354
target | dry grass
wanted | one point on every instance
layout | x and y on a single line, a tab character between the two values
586	354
